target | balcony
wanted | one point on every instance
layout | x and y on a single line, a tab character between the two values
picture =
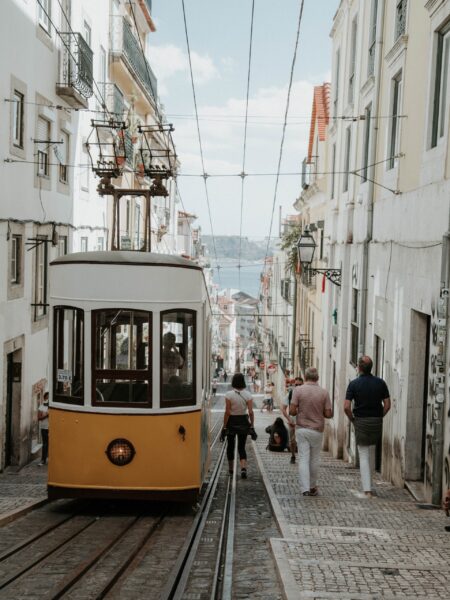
76	78
114	98
125	46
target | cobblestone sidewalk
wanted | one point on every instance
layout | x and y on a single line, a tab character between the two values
20	491
344	546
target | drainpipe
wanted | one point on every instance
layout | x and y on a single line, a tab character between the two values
294	328
443	324
371	176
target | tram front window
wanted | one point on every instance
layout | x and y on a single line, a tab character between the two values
177	358
122	357
68	357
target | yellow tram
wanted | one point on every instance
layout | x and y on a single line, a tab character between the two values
130	371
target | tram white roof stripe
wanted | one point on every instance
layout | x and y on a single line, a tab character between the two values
126	257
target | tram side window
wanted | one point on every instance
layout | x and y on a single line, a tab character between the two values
121	357
68	358
177	358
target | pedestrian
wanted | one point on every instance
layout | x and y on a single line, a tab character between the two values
225	376
285	404
257	384
43	428
278	440
267	401
446	507
214	386
367	402
311	405
238	421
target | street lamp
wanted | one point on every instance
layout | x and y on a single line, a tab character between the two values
305	249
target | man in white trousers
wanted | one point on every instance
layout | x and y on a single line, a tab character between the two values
367	402
311	405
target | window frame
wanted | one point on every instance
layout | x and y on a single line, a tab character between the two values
69	399
336	88
183	402
15	277
354	327
371	52
43	18
441	95
352	63
84	243
401	9
43	155
18	119
348	143
367	139
394	130
41	278
118	374
63	164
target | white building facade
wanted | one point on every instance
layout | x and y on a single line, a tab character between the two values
388	227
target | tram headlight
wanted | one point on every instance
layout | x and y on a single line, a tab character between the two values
120	452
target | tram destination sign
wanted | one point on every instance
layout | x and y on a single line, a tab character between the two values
64	375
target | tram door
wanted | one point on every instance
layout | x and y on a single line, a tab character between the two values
12	416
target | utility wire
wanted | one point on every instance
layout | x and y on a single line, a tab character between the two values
291	78
245	136
205	176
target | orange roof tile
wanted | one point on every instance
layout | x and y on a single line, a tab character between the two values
320	115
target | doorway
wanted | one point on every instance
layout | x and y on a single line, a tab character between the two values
379	372
12	413
415	443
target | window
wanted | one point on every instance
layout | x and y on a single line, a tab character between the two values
41	268
351	74
333	169
336	83
64	157
43	144
354	327
17	124
400	18
441	86
372	39
178	358
44	14
121	363
100	243
366	149
395	112
84	244
348	141
62	245
102	73
87	33
68	358
16	257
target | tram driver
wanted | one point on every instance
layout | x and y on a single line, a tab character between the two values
172	361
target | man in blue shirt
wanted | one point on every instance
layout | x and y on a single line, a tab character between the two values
366	403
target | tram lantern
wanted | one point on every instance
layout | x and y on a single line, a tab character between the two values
106	148
157	155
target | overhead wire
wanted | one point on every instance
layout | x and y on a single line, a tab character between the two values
205	176
245	136
288	98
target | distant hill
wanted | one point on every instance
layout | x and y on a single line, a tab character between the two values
227	246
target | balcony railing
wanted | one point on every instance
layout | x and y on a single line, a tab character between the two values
76	73
114	98
127	47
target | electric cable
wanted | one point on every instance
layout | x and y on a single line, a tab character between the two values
205	176
245	136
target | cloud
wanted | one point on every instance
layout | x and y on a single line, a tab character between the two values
169	61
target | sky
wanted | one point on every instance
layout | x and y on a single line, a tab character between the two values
219	34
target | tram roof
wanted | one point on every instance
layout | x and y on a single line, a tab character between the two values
126	257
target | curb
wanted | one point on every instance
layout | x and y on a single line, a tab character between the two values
12	515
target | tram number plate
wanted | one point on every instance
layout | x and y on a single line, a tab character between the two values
64	375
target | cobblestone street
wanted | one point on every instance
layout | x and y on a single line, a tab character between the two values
345	546
339	545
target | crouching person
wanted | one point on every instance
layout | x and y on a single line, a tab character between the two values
278	441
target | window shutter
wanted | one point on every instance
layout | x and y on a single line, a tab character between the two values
42	134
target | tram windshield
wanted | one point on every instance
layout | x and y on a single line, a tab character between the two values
177	358
122	355
68	358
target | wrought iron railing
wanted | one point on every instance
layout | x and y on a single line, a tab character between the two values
400	22
149	5
129	148
306	353
76	64
114	99
126	45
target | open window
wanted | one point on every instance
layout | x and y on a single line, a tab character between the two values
68	355
121	357
178	359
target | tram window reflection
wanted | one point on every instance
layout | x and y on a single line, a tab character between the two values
177	358
122	365
68	342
